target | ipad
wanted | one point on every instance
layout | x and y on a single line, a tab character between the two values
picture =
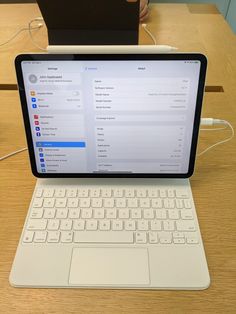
111	115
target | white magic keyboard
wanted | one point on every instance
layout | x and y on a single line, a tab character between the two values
94	215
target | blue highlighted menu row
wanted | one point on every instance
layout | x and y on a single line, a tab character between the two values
61	144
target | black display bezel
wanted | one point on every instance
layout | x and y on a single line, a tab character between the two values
112	57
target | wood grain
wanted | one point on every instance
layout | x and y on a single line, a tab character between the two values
213	183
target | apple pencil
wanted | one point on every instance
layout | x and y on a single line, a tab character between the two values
111	49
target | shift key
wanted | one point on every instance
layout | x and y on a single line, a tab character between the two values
36	224
185	225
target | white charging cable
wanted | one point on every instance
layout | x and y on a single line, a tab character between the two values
29	29
149	33
211	122
13	153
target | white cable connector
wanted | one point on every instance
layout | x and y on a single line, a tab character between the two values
39	18
144	26
210	122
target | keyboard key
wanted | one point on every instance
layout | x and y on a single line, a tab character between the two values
129	193
37	202
165	240
170	193
86	213
49	202
99	213
152	193
104	224
141	193
178	234
156	225
130	225
60	193
83	193
71	192
36	224
48	192
142	225
36	213
62	213
163	193
53	236
192	241
181	194
109	202
168	225
152	237
132	203
144	203
96	202
118	192
169	203
179	203
72	202
66	224
173	214
40	236
161	214
111	213
79	224
136	213
85	203
60	202
103	237
49	213
148	214
123	213
185	225
140	237
66	236
186	214
117	225
120	202
28	236
106	192
94	193
156	203
53	224
91	224
191	237
165	237
179	240
187	204
38	193
74	213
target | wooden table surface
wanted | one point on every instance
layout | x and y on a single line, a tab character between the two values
191	28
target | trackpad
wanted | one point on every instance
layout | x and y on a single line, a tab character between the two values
109	266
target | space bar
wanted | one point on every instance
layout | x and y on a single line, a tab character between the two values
103	237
